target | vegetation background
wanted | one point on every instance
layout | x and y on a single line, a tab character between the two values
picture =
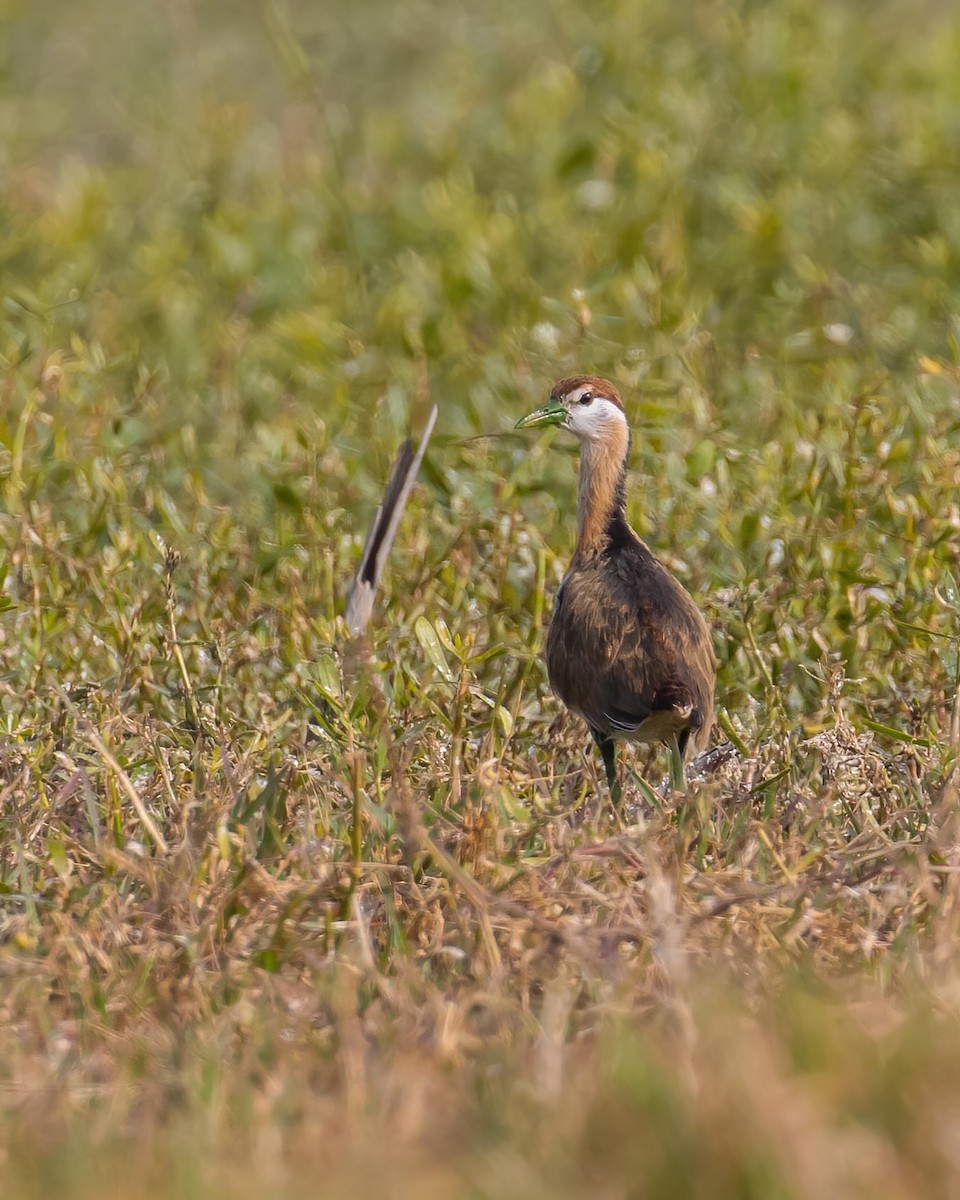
274	920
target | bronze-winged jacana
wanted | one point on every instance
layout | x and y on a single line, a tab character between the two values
627	650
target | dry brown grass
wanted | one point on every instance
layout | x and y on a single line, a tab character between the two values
486	1007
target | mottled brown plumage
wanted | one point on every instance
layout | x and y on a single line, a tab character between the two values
628	650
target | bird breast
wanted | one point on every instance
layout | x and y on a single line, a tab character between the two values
627	648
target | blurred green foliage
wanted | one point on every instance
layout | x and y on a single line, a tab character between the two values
243	242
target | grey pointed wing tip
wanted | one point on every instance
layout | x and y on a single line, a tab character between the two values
359	607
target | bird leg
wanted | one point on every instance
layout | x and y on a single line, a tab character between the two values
609	754
678	776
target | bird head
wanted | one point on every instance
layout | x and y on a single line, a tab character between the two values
587	405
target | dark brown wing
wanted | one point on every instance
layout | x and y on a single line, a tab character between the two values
629	651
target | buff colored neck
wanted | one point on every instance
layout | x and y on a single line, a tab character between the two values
601	492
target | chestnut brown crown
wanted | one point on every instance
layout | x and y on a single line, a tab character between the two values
600	387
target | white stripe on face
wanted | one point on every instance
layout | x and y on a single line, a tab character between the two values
592	418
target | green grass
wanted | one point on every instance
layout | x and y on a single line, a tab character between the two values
276	919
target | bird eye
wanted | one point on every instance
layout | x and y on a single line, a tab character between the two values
586	398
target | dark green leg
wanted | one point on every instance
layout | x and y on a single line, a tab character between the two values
678	776
609	755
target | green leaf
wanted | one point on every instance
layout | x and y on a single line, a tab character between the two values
428	639
950	591
897	735
287	498
443	633
327	676
57	854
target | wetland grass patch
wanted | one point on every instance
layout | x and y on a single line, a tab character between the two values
281	916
